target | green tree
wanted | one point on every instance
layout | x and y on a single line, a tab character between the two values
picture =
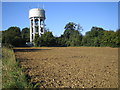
26	34
60	41
70	26
100	37
47	39
72	36
37	40
118	38
12	36
75	39
93	37
109	39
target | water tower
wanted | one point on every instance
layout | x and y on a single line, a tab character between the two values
37	18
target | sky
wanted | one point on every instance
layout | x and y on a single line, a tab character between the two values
58	14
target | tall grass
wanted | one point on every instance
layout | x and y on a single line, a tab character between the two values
12	75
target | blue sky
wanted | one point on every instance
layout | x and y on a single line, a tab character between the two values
58	14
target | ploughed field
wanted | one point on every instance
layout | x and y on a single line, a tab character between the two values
70	67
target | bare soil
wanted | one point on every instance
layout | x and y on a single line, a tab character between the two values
70	67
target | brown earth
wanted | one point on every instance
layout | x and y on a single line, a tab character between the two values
70	67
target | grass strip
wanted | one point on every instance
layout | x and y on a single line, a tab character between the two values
12	75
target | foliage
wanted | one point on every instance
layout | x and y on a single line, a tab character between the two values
25	34
37	40
118	38
47	39
60	41
72	36
70	26
93	37
12	36
12	75
100	37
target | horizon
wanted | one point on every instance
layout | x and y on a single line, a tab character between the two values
96	14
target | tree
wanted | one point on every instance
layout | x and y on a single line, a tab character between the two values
12	36
100	37
75	39
60	41
47	39
26	34
72	37
70	26
118	38
93	37
109	39
37	40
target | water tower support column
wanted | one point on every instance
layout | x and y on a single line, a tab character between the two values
43	27
31	30
39	26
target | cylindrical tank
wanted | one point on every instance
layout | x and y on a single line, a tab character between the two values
36	12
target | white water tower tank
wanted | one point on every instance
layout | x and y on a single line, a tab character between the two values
36	12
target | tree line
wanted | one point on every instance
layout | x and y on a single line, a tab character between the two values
14	37
96	37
